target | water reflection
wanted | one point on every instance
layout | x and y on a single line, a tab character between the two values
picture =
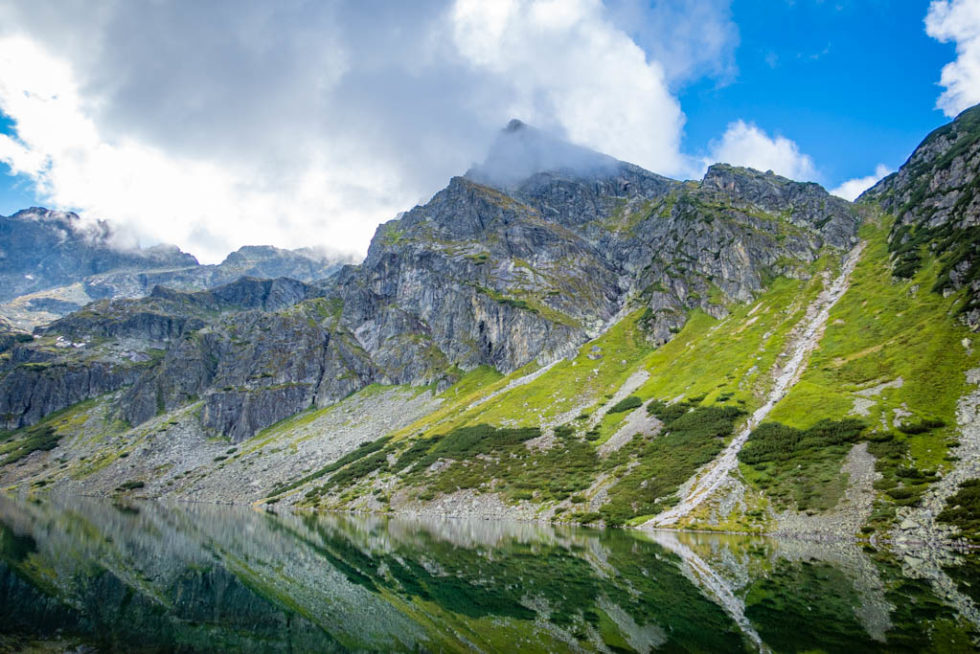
151	577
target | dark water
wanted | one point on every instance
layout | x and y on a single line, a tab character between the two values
156	578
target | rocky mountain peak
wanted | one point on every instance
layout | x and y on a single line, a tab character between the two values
42	214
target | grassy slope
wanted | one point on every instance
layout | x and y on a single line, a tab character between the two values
880	331
883	330
719	360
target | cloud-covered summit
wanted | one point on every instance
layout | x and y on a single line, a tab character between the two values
214	125
520	151
211	125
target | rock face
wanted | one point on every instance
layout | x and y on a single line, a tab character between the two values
51	264
259	261
42	249
935	198
507	265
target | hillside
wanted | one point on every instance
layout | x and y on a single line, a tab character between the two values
585	342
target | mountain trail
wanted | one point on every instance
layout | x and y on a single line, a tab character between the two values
802	343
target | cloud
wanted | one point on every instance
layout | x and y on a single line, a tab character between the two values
852	188
744	144
213	125
957	21
690	39
568	67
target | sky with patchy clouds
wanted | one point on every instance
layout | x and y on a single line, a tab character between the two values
214	124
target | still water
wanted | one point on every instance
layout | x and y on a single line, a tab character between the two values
149	577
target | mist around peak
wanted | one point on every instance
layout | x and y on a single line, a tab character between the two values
520	151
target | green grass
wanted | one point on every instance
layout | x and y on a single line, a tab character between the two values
47	434
582	380
39	438
800	468
711	358
882	330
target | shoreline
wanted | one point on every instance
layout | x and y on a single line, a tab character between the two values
890	543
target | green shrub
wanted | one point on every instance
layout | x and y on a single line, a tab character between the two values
692	437
39	438
921	427
626	404
416	451
963	509
667	413
358	470
362	450
773	441
466	442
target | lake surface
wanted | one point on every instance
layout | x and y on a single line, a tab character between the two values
150	577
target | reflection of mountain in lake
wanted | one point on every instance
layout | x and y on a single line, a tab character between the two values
204	578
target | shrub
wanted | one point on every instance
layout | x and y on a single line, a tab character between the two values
667	413
963	509
359	469
362	450
466	442
921	427
39	438
773	441
626	404
586	517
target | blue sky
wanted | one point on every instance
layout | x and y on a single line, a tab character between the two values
214	125
16	191
854	84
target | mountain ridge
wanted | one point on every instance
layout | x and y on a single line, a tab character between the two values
572	346
52	264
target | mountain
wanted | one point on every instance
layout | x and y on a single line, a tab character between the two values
935	199
41	249
555	335
52	264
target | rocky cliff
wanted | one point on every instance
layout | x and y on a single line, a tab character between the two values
499	272
42	249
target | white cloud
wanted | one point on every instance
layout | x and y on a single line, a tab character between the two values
852	188
745	144
567	66
957	21
160	196
213	125
689	39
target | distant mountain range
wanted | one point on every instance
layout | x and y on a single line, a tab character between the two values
51	264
